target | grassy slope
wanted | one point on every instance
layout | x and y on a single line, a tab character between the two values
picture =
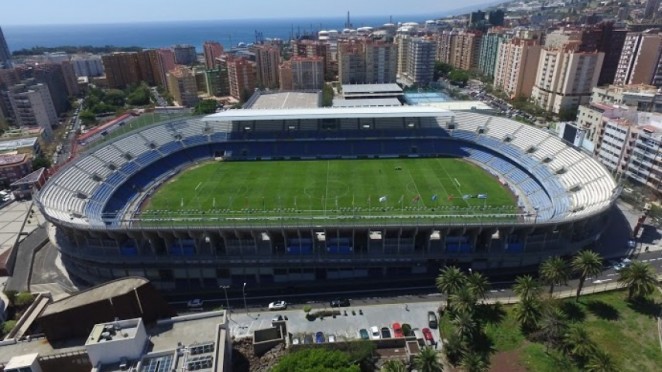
627	332
324	186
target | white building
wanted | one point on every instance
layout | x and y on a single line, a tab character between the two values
114	342
87	65
32	106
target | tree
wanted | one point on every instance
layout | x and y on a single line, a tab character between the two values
526	287
449	281
639	278
463	300
528	312
600	361
327	95
553	326
205	107
394	366
87	117
473	362
586	263
454	348
554	271
441	69
316	360
459	77
41	162
478	285
578	343
139	96
465	326
427	360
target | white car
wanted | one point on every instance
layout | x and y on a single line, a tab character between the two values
331	338
278	305
374	333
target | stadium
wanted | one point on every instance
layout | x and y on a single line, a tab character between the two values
367	194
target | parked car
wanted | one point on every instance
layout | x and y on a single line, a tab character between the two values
397	330
386	333
278	305
432	320
308	339
340	303
277	318
194	303
374	333
427	335
331	338
407	330
363	334
295	341
319	337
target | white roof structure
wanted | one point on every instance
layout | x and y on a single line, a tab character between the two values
348	89
17	143
370	102
329	113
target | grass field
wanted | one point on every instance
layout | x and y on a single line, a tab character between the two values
333	189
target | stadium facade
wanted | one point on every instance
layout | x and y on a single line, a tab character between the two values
93	203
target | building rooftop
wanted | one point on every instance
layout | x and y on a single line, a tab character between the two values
30	178
459	105
328	113
286	100
94	294
21	361
14	144
113	331
11	159
368	102
370	88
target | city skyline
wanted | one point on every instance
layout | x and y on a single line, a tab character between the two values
45	12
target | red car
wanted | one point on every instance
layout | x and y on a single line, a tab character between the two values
427	335
397	330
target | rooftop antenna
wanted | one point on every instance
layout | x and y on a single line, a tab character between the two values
348	24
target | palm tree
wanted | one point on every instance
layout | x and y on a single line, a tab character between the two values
578	343
554	271
586	263
553	326
528	312
454	348
526	287
449	281
465	325
473	362
640	279
394	366
463	300
478	285
600	361
427	360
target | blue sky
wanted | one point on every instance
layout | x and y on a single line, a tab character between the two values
29	12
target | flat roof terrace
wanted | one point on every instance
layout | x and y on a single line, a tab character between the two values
329	113
286	100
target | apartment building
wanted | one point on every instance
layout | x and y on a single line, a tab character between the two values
267	60
516	66
640	61
489	50
302	73
212	50
182	86
32	106
241	77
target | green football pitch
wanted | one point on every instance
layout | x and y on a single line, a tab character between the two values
331	189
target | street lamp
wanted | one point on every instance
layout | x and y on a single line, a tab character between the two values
227	302
243	292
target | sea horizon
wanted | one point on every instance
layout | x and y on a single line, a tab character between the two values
159	34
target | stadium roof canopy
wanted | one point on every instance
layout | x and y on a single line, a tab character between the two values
329	113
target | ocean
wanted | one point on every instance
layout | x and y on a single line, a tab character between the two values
163	34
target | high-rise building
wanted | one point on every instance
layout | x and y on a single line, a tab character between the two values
640	59
476	17
489	48
70	78
420	61
32	106
87	65
302	73
121	69
651	9
185	54
351	62
516	66
182	86
52	75
314	48
381	62
565	77
150	67
465	49
496	17
402	44
267	60
5	55
610	42
241	77
167	59
212	50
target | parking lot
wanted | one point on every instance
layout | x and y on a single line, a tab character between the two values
343	327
